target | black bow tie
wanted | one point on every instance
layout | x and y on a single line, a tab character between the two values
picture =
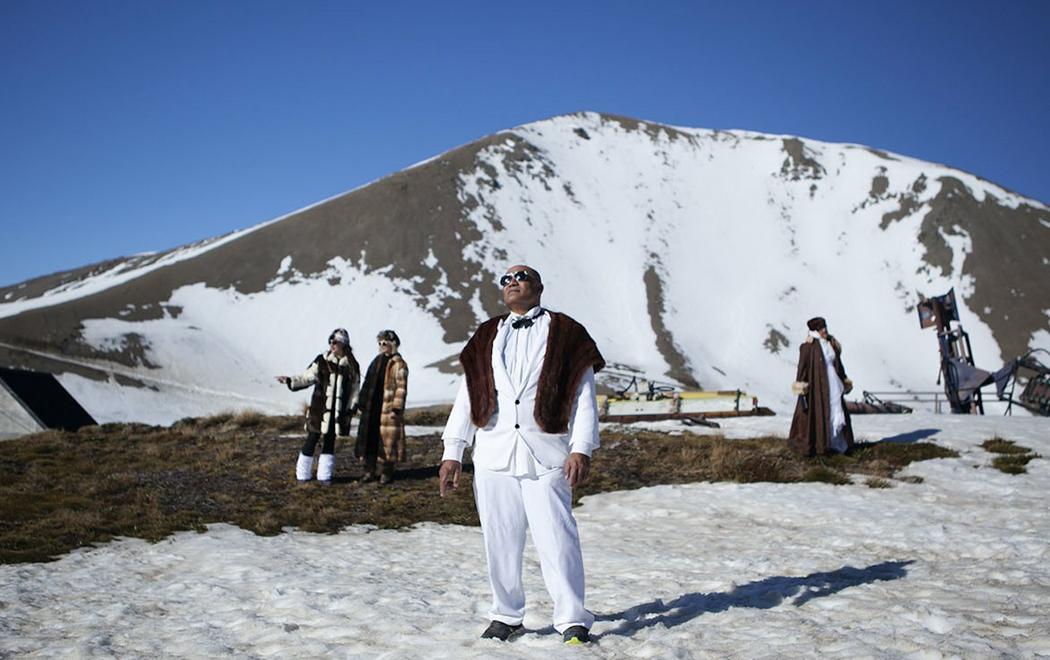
525	321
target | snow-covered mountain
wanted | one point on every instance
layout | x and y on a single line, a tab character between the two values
691	255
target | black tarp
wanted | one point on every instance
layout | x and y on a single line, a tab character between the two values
46	399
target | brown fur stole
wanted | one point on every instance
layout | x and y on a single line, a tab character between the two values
570	352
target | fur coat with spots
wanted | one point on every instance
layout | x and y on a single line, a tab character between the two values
335	381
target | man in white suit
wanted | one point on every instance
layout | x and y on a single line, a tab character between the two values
527	404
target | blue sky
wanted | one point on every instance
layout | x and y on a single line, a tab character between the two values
141	125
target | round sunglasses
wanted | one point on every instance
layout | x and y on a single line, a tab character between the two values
520	276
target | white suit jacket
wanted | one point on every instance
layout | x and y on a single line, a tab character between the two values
513	426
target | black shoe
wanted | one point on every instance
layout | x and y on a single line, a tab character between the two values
576	635
501	631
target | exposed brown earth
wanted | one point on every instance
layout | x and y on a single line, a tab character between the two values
776	340
680	367
60	491
1011	280
798	164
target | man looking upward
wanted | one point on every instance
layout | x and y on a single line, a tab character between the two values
527	404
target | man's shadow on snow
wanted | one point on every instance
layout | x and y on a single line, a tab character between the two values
910	436
761	594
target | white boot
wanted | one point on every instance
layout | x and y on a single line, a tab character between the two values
325	467
304	467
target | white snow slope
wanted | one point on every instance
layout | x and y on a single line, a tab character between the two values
955	566
744	243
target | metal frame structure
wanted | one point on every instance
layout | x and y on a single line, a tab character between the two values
956	352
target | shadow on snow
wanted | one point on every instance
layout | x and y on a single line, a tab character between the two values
910	436
761	594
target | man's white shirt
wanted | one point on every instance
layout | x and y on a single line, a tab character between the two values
512	440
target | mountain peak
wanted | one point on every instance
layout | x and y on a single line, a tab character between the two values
692	255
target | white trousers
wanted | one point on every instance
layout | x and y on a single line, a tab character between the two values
507	505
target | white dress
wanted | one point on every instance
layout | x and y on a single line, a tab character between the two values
837	416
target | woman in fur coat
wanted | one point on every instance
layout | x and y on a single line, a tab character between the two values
335	376
821	424
381	433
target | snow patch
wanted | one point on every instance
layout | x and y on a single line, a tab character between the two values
240	342
958	562
285	265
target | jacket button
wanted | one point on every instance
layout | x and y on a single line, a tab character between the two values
517	401
517	426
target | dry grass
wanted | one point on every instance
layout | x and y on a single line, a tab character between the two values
1012	458
428	416
60	491
825	474
998	445
1012	464
643	458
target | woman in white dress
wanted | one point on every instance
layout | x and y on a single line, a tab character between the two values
821	424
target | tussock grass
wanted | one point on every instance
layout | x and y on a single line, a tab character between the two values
60	491
1011	457
825	474
428	416
876	482
883	459
215	420
998	445
1012	463
248	418
633	459
244	419
910	479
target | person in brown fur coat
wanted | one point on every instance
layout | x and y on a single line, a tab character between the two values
381	434
821	424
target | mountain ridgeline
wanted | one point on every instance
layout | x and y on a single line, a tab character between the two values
692	256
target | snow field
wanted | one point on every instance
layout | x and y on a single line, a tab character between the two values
955	566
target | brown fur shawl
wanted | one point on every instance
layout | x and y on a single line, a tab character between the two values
570	351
